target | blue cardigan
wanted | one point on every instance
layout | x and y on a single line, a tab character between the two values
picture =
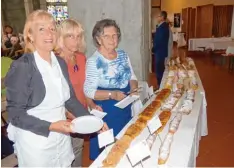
160	40
25	90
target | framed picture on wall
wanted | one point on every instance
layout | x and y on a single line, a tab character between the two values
177	20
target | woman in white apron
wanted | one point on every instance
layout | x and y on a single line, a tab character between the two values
38	92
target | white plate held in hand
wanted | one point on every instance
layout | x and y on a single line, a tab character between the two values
87	124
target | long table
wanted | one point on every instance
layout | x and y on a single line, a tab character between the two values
185	145
220	45
197	43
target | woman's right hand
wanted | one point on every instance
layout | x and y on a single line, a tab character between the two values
117	95
61	126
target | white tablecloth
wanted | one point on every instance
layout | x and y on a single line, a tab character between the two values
230	50
204	42
175	36
220	45
185	146
192	127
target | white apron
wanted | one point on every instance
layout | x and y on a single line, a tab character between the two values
55	150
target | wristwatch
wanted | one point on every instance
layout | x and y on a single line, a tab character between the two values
109	95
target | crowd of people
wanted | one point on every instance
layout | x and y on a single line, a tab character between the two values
11	43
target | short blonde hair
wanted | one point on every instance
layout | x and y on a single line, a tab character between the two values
67	27
32	19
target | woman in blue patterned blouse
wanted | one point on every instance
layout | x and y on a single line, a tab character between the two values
109	76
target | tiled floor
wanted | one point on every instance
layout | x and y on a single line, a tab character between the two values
217	148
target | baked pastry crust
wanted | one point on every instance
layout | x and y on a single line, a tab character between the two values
163	95
117	152
161	161
141	122
133	131
164	117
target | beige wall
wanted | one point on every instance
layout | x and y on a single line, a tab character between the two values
175	6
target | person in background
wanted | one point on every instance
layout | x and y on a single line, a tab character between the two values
38	92
6	43
160	45
15	45
8	30
109	76
71	46
21	39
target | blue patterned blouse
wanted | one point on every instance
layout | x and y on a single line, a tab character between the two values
101	72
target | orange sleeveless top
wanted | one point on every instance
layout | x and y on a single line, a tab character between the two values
77	77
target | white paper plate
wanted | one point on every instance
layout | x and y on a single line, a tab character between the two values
87	124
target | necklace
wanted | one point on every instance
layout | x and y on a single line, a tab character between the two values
76	68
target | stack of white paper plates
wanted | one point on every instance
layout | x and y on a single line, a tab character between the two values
87	124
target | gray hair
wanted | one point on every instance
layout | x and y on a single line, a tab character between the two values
98	29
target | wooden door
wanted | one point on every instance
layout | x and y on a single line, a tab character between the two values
188	26
204	21
184	19
192	21
222	21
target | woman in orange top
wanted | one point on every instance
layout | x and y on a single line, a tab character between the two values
70	46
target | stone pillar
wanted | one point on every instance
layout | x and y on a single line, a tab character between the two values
43	4
28	6
134	20
13	14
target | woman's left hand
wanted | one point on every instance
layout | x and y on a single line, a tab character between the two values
104	128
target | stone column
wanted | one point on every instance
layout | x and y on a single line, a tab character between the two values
13	14
28	6
134	20
43	4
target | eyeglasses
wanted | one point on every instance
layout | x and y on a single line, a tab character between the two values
110	37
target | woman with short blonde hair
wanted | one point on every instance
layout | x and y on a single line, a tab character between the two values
71	47
68	28
32	20
38	92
